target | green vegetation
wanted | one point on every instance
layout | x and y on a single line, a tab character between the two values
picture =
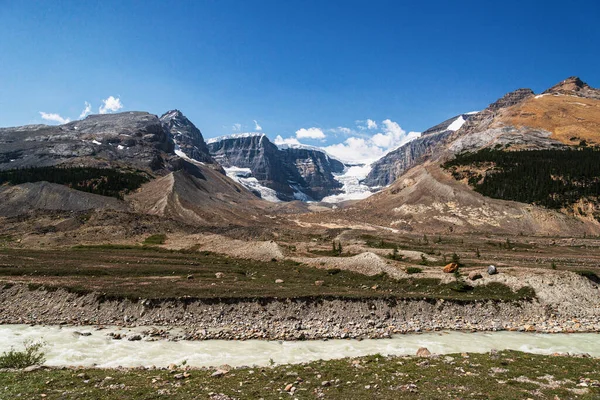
395	255
160	238
550	178
501	375
102	181
31	355
151	272
378	243
413	270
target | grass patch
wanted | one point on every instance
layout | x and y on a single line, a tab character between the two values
378	243
31	355
160	238
331	253
414	270
138	272
455	376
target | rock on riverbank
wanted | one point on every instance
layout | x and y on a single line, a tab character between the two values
289	319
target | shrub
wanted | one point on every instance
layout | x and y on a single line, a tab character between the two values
156	239
32	355
413	270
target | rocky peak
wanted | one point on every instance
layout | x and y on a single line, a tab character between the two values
575	87
510	99
187	137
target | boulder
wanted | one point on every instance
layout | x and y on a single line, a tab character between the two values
491	270
423	352
474	275
278	280
450	268
219	275
319	283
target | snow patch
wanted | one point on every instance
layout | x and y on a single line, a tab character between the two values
120	147
181	154
351	186
234	136
96	142
244	177
456	124
299	194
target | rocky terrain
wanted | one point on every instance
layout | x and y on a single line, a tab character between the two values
294	173
186	137
134	139
192	198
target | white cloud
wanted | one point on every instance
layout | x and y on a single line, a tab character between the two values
86	110
371	124
257	127
111	104
54	118
363	149
355	149
341	129
237	127
290	141
310	133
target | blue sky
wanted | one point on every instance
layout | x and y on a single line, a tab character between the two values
289	65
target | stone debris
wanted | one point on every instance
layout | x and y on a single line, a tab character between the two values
451	268
423	352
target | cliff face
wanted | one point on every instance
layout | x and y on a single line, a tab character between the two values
388	168
316	169
294	173
133	138
433	141
187	138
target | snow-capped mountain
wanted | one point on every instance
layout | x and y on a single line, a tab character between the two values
292	172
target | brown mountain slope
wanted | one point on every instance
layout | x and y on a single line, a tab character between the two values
24	198
427	199
198	195
570	119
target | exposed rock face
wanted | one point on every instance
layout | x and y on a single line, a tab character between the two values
316	169
186	136
575	87
135	138
510	99
294	173
388	168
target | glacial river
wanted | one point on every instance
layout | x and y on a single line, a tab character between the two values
66	347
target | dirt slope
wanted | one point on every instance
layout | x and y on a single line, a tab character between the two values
570	119
198	195
428	199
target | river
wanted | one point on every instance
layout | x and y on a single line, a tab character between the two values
65	347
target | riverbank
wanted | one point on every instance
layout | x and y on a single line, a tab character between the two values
494	375
284	319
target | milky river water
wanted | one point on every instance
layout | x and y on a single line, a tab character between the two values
66	347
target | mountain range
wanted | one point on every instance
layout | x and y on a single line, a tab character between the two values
449	179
